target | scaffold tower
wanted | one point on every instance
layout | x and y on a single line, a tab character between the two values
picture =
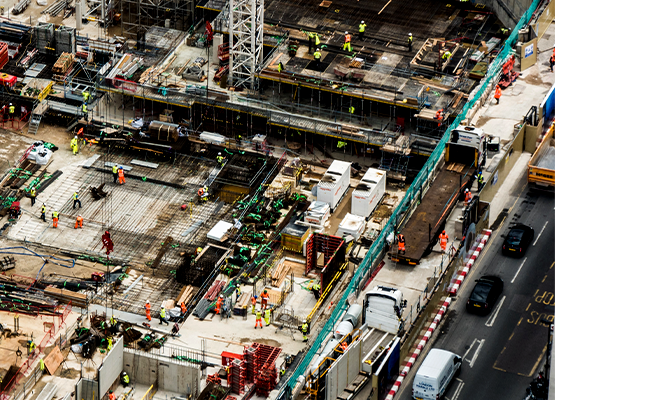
246	29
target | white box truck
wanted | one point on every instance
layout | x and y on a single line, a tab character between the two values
434	375
334	184
369	192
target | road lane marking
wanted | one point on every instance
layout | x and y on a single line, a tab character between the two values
520	320
527	307
473	360
457	391
552	265
490	321
520	267
511	335
541	231
497	368
544	350
469	349
543	279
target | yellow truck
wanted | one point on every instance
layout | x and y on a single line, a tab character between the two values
542	164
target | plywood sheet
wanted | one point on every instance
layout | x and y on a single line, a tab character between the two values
53	360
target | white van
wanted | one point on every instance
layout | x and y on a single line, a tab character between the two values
435	374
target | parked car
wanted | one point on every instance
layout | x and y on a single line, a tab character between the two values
485	294
519	238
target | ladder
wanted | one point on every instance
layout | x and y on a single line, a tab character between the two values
35	120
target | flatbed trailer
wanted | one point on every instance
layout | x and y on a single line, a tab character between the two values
424	226
543	162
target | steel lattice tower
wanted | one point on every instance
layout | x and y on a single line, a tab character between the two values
246	28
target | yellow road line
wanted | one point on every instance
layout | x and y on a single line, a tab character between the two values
552	265
527	309
544	350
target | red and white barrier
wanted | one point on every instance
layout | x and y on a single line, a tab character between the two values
418	350
437	318
470	263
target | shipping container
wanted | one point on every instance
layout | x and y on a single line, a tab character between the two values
369	192
334	184
351	225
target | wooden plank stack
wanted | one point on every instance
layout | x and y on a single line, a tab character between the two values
65	296
63	63
280	273
185	294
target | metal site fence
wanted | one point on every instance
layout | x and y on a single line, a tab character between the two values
415	192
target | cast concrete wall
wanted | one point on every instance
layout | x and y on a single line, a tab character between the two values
167	373
508	11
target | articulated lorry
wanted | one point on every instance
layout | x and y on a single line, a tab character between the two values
364	348
542	164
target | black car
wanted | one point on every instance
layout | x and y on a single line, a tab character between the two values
485	294
519	238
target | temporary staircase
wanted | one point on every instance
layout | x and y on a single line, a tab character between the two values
35	120
37	114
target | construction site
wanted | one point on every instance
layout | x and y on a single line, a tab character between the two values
239	170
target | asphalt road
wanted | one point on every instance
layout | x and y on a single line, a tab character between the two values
503	351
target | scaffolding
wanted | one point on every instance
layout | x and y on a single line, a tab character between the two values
246	29
140	15
395	155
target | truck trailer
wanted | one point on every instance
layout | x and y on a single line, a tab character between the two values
543	162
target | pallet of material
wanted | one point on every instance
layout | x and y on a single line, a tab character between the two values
455	167
357	63
479	70
65	296
242	304
63	63
428	115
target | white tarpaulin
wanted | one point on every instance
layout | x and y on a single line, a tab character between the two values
219	230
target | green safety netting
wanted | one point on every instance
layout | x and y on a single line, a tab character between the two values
376	252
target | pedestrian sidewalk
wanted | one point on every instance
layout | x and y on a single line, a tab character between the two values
528	90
